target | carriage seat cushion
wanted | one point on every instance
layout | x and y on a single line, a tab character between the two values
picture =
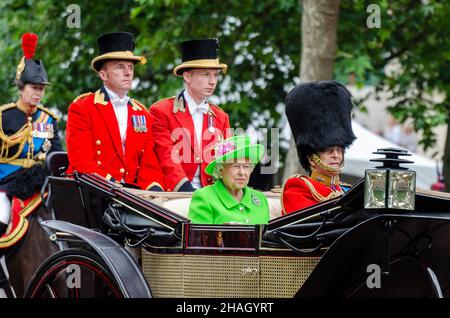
181	206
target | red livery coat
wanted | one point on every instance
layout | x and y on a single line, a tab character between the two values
94	144
300	192
176	141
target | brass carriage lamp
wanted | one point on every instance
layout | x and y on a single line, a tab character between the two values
390	186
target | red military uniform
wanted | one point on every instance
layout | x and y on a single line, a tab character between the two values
300	192
169	117
94	144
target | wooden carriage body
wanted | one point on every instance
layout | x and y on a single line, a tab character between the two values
324	250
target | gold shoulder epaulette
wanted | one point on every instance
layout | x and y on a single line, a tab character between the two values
161	100
81	96
215	106
139	103
7	106
48	111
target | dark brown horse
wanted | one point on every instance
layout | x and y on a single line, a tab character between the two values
23	258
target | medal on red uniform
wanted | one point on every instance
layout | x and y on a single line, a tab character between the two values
211	128
139	123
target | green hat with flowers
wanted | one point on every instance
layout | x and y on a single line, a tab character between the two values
236	147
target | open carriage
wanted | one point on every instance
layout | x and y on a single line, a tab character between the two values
337	248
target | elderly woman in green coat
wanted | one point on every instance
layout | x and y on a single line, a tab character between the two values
229	200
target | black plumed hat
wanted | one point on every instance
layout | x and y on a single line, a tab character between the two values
319	115
30	70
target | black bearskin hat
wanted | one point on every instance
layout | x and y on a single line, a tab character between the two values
319	114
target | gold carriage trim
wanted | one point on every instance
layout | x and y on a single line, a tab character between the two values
181	275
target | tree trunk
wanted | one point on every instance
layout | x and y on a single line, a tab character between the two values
319	34
446	168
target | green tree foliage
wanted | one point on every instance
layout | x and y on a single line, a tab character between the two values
66	52
414	36
259	40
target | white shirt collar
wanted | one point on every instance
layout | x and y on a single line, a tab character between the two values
115	99
203	106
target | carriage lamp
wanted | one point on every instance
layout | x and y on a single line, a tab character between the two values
390	186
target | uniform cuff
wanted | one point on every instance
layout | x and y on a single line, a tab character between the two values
154	186
186	187
180	184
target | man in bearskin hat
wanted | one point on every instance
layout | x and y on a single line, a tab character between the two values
108	132
28	131
186	126
319	115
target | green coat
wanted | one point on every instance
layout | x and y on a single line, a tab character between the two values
215	205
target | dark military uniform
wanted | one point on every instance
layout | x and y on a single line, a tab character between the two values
31	139
27	134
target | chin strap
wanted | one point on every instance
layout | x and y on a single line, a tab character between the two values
324	173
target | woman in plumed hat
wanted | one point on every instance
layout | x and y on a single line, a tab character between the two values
319	115
28	131
229	200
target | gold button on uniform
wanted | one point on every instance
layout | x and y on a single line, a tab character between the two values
99	152
98	142
122	170
241	208
99	162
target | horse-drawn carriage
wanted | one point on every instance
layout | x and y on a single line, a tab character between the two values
121	242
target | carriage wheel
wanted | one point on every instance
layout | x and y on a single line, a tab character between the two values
73	273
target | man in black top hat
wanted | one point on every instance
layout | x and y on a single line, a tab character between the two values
28	131
187	126
319	115
108	132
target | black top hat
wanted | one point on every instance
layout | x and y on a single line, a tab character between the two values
200	53
319	115
30	70
115	46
